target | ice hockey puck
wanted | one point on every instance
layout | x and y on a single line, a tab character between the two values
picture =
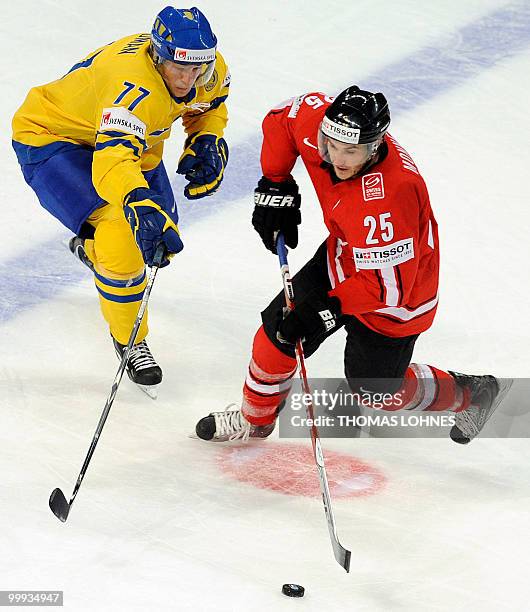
293	590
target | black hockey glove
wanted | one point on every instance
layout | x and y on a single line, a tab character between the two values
277	209
203	163
316	314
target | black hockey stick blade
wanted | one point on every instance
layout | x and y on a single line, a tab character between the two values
58	505
343	556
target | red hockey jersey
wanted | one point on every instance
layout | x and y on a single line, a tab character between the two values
383	258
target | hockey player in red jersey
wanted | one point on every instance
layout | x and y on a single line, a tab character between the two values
376	274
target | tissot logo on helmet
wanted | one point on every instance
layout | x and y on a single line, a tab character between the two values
340	132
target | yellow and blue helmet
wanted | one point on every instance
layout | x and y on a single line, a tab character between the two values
184	36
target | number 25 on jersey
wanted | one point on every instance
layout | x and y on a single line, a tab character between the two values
386	229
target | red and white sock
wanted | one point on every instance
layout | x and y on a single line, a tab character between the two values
268	381
270	373
428	388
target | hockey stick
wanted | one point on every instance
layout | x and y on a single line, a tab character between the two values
58	504
341	554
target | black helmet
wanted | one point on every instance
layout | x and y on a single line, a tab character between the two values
357	116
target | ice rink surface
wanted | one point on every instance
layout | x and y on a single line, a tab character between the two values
165	522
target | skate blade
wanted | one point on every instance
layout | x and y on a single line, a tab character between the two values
505	384
150	390
193	436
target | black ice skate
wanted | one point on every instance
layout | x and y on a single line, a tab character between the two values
142	368
230	425
77	247
487	392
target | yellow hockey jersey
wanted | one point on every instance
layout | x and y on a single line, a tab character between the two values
116	102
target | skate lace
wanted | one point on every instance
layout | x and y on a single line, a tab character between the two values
232	423
471	421
467	421
140	357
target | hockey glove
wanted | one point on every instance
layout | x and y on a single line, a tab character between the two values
315	315
151	224
203	164
277	209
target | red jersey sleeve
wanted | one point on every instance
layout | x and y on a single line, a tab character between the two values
278	151
284	132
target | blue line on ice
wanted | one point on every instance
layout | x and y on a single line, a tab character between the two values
40	273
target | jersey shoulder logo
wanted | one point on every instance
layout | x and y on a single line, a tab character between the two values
212	82
120	119
373	186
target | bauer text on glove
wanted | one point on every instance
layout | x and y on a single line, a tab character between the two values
277	209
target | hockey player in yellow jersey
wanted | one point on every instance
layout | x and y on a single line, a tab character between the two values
90	145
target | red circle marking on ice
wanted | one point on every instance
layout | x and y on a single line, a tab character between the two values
290	469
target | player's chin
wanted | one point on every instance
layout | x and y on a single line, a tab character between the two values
180	92
344	173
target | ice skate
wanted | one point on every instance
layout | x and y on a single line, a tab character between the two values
487	392
142	368
77	248
229	425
